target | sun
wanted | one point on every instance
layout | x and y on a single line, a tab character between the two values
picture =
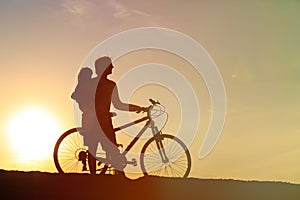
33	133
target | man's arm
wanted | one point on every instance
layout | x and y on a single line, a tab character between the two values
123	106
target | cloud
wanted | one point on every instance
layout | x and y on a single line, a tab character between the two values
121	11
77	7
115	8
111	13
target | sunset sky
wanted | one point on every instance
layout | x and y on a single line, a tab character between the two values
255	45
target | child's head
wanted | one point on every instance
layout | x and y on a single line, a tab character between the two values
85	73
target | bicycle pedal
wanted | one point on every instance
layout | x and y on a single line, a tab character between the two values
132	162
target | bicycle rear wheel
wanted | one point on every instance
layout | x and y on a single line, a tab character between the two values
70	154
69	151
165	155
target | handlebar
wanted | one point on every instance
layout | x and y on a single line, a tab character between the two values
153	102
146	109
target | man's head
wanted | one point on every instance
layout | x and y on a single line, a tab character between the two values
103	66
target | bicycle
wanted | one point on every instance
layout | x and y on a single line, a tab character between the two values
162	155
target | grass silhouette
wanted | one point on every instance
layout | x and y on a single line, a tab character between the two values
41	185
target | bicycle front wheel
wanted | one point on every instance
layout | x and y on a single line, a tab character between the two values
165	155
68	151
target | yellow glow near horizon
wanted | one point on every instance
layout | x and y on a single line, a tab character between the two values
33	133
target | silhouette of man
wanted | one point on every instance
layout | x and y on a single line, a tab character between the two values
84	94
107	93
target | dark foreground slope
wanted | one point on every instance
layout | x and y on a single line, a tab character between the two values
37	185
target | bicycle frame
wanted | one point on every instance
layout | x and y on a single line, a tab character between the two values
136	138
140	133
149	123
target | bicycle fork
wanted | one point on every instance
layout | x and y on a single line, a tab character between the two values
159	143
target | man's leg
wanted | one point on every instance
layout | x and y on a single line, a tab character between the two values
90	139
118	161
109	145
91	158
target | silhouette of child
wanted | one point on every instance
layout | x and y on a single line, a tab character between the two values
84	95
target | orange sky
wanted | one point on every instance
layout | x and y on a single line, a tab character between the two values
254	44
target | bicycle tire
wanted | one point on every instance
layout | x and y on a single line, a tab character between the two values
66	152
179	158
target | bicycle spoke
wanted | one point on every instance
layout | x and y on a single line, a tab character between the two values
67	151
172	160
